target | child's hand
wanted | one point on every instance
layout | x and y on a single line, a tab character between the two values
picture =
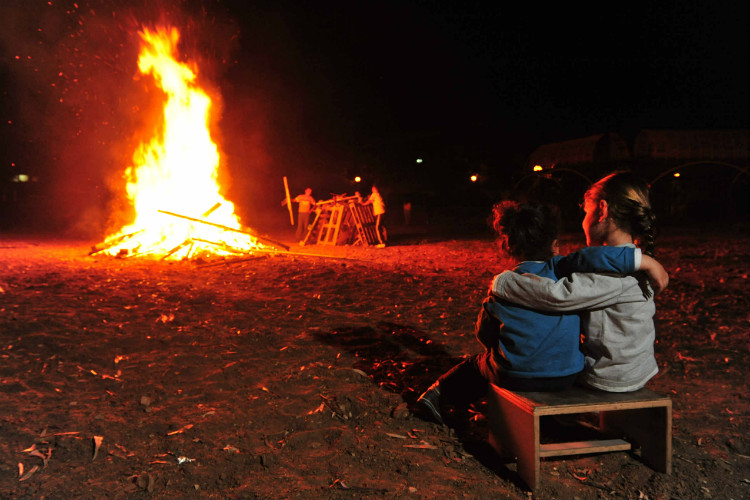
657	275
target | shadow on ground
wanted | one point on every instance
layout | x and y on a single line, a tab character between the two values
405	361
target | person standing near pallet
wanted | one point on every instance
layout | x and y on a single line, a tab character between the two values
378	209
306	204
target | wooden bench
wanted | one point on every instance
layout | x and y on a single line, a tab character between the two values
640	419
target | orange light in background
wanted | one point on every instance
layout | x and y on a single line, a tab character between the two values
474	178
538	168
358	179
676	174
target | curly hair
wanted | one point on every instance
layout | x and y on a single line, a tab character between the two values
629	200
529	229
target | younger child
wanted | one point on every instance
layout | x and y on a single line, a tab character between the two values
527	350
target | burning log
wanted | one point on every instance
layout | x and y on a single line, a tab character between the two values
109	244
212	209
227	228
177	249
274	252
191	250
224	246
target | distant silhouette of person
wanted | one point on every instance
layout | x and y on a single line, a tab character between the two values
378	209
407	213
306	204
677	199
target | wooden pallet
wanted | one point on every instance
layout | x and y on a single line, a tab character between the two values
342	221
364	220
329	227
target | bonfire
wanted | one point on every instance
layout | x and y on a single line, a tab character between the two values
172	182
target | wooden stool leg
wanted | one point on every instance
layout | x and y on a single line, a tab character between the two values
649	428
515	431
528	450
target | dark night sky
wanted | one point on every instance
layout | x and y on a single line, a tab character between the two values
318	90
370	71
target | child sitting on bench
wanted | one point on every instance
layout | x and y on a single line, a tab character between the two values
528	350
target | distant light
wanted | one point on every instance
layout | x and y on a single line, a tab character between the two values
419	160
474	178
21	178
676	174
538	168
358	179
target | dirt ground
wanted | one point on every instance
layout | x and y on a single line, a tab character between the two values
288	376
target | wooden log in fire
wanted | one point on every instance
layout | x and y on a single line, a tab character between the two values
176	249
109	244
212	209
224	246
289	254
227	228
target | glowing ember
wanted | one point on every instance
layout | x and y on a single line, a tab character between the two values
173	181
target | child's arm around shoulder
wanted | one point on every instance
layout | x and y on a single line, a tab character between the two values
598	259
580	291
657	275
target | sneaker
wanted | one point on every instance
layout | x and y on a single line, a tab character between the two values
429	404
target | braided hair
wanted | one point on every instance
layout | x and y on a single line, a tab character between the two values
629	202
529	229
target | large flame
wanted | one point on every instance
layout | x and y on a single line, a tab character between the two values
172	183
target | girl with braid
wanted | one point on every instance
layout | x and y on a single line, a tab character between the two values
618	340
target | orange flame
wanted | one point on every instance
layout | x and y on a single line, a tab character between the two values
175	174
